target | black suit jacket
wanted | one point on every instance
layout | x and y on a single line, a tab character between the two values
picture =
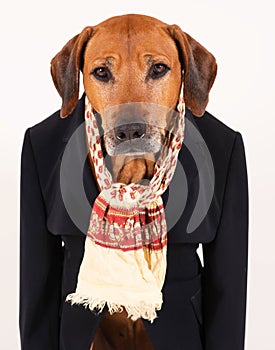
204	306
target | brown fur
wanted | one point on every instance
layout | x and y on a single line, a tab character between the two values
128	45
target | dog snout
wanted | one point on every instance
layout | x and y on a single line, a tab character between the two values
130	131
133	129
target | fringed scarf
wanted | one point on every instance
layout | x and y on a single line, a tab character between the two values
124	262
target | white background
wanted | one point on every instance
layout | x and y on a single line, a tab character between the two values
241	36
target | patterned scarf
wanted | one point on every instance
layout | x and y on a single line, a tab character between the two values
124	262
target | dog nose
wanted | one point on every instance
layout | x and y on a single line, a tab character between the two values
130	131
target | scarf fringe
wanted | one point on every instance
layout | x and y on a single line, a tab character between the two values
144	310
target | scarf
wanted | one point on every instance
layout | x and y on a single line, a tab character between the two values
124	261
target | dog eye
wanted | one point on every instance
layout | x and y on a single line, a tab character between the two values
158	70
102	73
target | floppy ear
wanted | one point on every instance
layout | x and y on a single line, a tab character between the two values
65	67
200	70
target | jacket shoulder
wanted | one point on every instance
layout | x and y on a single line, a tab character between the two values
49	128
44	123
46	143
218	137
53	130
211	125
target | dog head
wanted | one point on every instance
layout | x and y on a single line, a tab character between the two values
132	72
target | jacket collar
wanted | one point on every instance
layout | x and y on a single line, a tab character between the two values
75	119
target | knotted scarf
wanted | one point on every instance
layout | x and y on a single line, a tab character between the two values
124	262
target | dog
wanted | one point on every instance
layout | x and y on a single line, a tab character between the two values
133	67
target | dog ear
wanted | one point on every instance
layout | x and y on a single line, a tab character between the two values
65	67
199	67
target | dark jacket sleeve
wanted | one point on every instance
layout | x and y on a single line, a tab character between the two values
225	262
40	263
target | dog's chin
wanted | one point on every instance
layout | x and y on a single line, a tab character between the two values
136	148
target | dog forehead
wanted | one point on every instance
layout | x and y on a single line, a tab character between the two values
131	35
